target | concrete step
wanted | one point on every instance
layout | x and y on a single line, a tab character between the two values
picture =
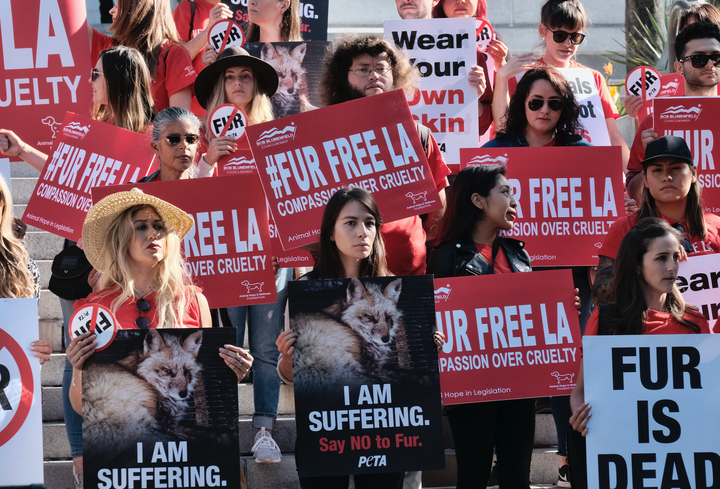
58	474
22	188
51	330
42	245
49	306
20	169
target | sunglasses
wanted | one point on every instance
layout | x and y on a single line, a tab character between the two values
560	36
701	60
536	104
95	73
143	306
175	138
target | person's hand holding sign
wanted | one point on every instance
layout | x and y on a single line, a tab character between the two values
220	146
476	77
237	359
498	51
633	104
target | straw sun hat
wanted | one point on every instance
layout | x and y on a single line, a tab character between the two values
103	213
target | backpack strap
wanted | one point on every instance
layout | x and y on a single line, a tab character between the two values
193	6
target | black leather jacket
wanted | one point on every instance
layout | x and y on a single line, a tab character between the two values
460	257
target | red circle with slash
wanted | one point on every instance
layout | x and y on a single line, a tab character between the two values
228	120
224	34
97	319
643	81
484	34
28	386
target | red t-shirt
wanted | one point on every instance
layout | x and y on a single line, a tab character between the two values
405	239
656	323
181	15
501	263
485	119
637	152
127	313
709	245
100	42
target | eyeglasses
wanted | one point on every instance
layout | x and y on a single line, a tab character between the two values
560	36
143	306
365	72
685	244
536	104
95	73
701	60
175	138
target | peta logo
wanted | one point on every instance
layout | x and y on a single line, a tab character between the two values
678	113
275	136
488	160
442	293
75	130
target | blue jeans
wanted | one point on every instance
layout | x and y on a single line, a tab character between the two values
73	421
265	323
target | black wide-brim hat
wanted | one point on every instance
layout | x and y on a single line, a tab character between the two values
266	77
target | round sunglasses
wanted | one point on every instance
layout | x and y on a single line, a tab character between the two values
560	36
536	104
175	138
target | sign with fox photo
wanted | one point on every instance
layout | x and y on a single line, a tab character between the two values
228	251
86	154
21	430
371	142
653	402
695	120
44	70
299	66
160	408
313	17
518	339
367	394
567	198
443	51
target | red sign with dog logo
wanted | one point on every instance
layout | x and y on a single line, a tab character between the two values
228	251
370	143
518	339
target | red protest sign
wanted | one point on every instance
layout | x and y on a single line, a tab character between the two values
695	120
568	198
224	34
228	120
519	338
228	250
371	143
45	67
87	154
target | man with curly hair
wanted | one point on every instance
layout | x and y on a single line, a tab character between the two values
362	66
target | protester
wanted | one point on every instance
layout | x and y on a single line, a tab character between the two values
479	75
193	20
350	246
562	28
362	66
134	240
247	82
695	47
415	9
670	192
147	25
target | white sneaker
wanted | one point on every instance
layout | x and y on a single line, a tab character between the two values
78	479
265	449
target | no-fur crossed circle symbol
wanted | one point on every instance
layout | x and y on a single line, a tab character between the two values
228	120
224	34
643	81
98	319
484	34
26	379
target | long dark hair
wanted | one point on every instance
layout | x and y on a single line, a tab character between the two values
329	264
563	14
461	214
290	25
694	213
628	288
516	119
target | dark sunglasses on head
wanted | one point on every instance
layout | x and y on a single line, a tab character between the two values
175	138
94	74
560	36
536	104
143	306
700	60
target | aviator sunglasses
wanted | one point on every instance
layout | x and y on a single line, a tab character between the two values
700	60
175	138
536	104
560	36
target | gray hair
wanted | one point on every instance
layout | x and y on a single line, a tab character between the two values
170	115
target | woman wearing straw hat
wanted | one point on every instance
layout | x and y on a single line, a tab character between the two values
247	82
134	239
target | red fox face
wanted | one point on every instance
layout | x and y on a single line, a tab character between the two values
372	312
288	65
169	366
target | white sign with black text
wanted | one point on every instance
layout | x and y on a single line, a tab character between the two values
699	282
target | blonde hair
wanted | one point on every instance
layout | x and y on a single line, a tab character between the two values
259	108
144	25
171	276
289	25
16	281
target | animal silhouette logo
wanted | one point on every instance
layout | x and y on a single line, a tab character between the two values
54	126
292	93
563	377
418	197
250	287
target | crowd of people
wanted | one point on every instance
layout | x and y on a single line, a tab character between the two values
156	76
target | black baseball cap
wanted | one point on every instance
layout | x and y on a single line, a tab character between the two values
668	147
